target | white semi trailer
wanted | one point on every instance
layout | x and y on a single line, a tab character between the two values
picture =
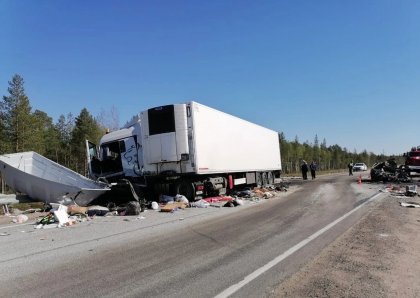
188	148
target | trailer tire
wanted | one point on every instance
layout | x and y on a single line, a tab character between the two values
259	179
187	189
270	176
265	178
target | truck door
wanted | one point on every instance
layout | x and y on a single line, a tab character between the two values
93	160
129	157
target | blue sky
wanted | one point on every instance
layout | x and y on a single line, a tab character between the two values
348	71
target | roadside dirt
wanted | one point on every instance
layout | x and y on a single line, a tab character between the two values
4	220
378	257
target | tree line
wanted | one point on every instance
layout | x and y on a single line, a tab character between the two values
22	129
328	158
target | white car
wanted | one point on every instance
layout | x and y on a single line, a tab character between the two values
360	166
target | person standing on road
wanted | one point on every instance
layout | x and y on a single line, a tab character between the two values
304	168
313	167
350	166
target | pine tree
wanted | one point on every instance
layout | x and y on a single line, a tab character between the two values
316	152
16	116
3	137
44	138
86	128
64	127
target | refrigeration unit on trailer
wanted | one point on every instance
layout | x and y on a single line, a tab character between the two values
190	149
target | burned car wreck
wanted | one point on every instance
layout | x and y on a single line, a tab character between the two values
390	171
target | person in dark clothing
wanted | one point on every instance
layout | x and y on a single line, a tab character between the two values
350	166
313	167
304	168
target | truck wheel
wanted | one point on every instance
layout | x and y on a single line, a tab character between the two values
270	176
265	178
187	189
259	181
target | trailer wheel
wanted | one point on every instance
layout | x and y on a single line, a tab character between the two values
187	189
265	179
259	179
270	177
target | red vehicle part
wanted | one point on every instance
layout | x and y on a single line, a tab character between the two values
412	159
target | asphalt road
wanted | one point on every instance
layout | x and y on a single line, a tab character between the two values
190	253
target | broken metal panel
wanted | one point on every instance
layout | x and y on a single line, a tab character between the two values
46	181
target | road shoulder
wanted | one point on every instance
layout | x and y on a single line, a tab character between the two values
378	257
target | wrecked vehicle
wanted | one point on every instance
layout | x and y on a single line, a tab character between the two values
390	171
45	180
188	149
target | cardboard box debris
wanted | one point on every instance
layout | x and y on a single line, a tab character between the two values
173	206
74	209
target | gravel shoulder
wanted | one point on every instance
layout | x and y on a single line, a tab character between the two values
378	257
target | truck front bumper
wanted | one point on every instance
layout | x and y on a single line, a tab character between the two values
414	168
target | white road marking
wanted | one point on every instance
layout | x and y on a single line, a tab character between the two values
234	288
16	225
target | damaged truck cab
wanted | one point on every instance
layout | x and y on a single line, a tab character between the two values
117	156
187	149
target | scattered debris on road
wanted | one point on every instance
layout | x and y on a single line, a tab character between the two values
396	190
411	190
21	218
410	205
402	193
55	215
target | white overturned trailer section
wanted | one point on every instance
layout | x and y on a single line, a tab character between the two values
45	180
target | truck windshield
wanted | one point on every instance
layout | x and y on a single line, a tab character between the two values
111	157
414	153
110	151
161	120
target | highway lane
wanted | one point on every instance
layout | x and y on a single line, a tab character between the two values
197	256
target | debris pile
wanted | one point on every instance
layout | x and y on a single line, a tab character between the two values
56	215
170	203
61	216
396	190
236	198
410	191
